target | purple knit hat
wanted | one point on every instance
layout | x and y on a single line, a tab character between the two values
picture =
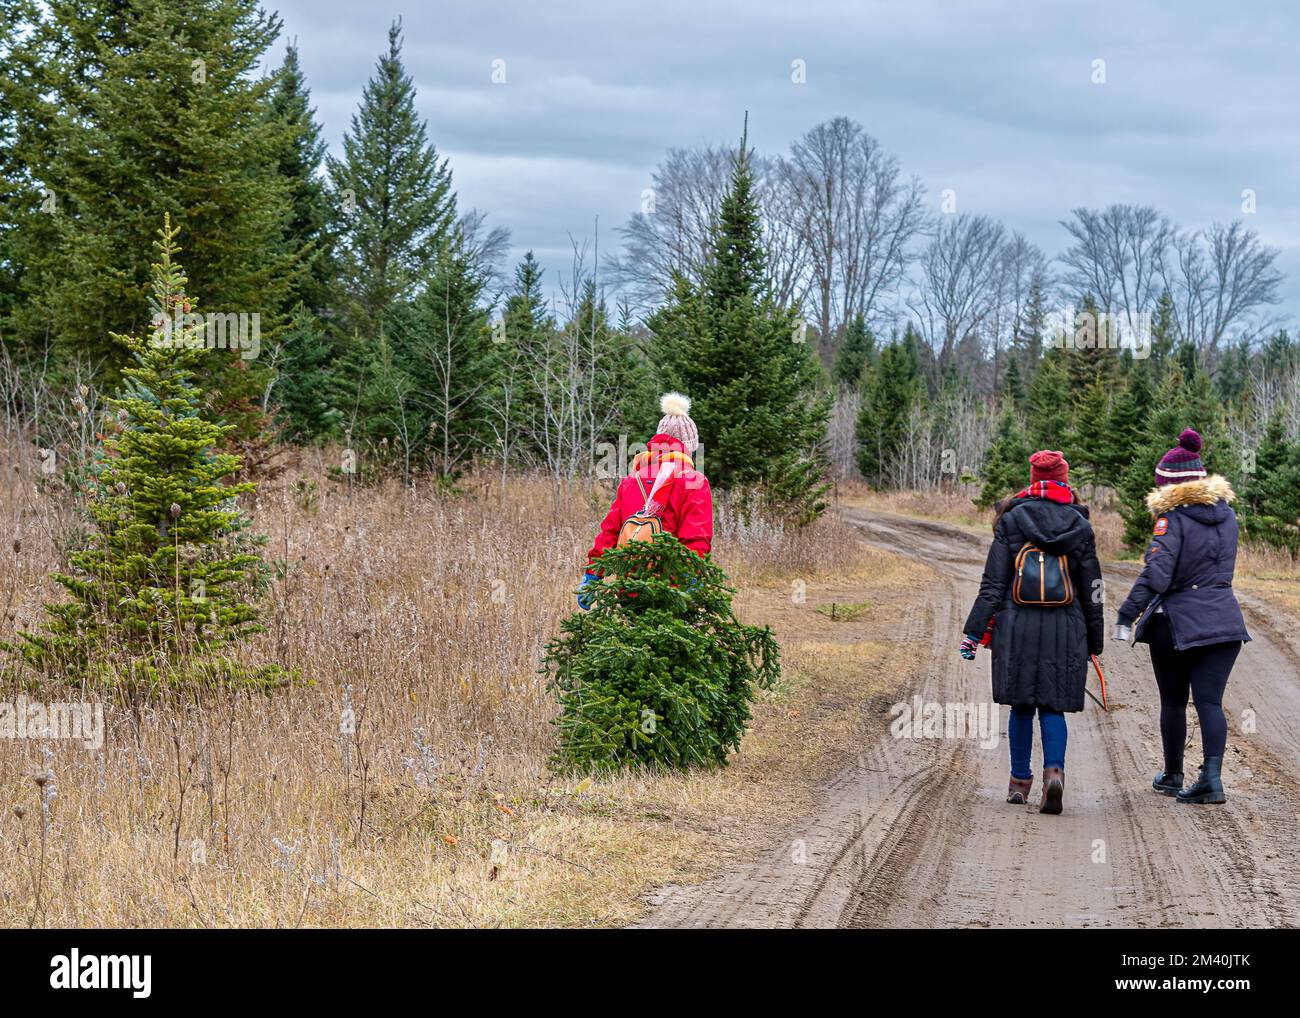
1182	462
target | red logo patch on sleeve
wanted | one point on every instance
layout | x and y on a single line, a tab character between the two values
1162	526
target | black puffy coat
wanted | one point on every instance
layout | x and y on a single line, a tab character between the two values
1040	654
1189	566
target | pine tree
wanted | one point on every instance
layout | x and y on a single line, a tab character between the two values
1092	356
1088	442
659	672
1179	403
1164	334
1013	385
1048	411
740	357
617	390
1006	466
1126	429
393	193
302	392
1027	343
1271	509
442	343
301	157
124	112
856	351
168	572
516	398
891	389
1203	410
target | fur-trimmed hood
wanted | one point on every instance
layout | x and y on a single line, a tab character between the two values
1203	491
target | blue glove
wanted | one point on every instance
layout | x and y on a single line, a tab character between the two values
584	595
968	646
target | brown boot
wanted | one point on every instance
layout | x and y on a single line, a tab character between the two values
1053	790
1018	791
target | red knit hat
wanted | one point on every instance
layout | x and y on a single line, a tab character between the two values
1046	465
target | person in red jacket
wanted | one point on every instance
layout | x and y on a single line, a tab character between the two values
665	483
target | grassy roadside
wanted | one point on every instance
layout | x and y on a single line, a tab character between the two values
407	784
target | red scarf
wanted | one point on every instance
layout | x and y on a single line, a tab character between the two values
1053	491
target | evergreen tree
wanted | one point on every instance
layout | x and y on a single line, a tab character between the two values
1006	466
1048	411
1179	403
1027	343
517	397
392	193
124	111
659	672
855	352
302	392
1089	437
443	344
617	390
1093	355
739	356
1013	385
1164	334
1126	430
891	389
1271	499
167	573
301	157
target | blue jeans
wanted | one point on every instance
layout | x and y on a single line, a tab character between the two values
1020	736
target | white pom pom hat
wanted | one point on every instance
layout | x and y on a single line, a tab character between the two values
676	421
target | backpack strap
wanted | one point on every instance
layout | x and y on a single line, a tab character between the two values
645	499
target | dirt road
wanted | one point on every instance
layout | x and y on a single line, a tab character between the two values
917	833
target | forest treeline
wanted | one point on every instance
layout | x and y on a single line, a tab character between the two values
826	313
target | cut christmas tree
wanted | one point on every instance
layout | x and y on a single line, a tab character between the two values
659	672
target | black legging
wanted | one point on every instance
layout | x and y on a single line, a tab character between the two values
1203	671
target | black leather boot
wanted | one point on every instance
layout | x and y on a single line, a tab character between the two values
1170	780
1209	786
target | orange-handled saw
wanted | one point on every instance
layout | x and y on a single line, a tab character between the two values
1101	679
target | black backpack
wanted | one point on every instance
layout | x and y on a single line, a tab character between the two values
1042	579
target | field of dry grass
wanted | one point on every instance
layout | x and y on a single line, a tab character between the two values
406	784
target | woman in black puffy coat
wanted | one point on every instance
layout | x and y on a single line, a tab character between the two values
1041	595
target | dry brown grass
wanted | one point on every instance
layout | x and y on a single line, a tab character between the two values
421	618
951	505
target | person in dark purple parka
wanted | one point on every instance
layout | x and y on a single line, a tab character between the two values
1184	608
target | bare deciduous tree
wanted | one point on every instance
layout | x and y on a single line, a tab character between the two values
674	232
858	217
1118	255
1218	279
960	277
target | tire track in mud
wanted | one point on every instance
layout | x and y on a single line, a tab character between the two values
916	832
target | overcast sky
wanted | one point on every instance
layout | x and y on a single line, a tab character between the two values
990	97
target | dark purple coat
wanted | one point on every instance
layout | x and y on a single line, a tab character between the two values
1189	566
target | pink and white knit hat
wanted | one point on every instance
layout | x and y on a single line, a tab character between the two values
676	423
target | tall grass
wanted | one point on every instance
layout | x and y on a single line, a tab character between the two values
390	787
